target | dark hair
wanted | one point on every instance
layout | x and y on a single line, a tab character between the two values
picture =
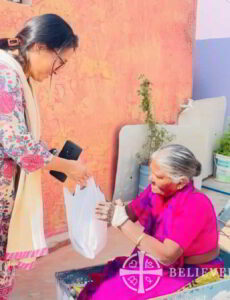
49	30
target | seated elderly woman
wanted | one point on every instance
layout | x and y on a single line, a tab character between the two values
180	230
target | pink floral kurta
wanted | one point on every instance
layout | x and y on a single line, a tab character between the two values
17	147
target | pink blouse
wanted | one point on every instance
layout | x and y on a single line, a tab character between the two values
187	218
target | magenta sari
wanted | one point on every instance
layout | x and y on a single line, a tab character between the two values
189	219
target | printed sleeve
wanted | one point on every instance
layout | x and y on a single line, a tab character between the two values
15	138
141	206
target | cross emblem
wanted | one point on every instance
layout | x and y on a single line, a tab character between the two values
144	269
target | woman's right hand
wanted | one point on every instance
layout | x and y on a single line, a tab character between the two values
75	169
114	213
78	171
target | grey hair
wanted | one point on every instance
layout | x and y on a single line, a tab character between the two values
177	161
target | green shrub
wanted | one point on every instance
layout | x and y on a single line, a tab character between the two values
157	135
224	144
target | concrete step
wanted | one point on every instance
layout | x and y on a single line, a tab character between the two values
218	192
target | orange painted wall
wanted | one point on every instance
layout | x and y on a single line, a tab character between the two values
95	95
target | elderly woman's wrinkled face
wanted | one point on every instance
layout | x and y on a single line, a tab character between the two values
161	182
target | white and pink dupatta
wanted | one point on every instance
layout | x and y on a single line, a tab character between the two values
26	239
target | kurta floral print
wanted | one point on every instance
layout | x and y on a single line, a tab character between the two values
17	147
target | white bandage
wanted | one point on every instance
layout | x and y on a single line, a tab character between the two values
119	216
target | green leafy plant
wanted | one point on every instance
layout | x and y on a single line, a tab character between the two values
224	144
157	135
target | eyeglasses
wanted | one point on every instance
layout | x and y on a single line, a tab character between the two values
62	63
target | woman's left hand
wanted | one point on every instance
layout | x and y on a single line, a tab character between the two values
113	213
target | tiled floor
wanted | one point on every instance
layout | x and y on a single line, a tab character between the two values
39	284
219	200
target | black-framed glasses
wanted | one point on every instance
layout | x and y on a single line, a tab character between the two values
62	63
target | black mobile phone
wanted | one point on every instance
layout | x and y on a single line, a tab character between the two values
69	151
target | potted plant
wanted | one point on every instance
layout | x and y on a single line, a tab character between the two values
157	135
222	158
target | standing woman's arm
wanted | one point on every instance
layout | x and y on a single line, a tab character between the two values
15	138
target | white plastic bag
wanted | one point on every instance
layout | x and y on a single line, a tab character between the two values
87	234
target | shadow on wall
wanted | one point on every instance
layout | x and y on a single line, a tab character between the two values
28	2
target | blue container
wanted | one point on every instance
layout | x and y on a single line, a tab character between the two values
222	168
143	178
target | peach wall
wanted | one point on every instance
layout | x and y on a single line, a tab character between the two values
95	95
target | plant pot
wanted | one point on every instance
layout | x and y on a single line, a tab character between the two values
143	178
222	168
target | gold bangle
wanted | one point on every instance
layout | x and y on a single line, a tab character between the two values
140	239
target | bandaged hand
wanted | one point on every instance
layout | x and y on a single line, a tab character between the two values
112	212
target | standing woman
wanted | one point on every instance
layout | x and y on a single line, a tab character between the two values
38	51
